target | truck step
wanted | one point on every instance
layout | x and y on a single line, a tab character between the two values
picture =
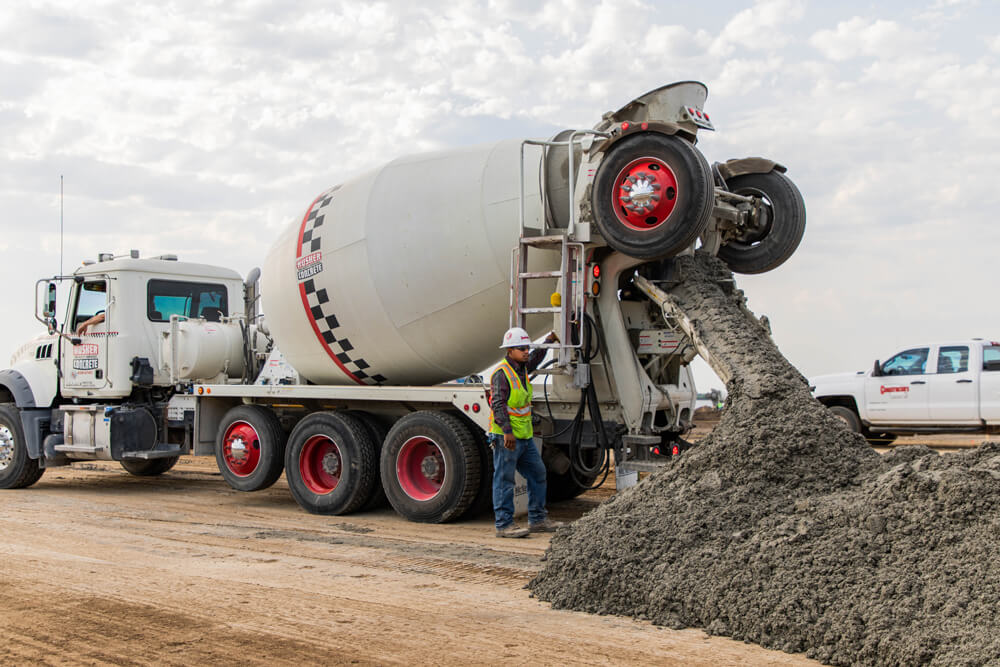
161	451
88	449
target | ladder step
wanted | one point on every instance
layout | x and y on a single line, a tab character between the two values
161	451
555	239
530	311
541	274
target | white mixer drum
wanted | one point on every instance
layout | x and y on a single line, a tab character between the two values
400	276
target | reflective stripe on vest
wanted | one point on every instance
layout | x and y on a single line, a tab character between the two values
518	405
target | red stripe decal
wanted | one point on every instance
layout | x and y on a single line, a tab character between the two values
305	299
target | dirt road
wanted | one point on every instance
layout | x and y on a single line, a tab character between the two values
100	567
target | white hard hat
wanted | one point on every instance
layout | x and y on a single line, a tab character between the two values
515	337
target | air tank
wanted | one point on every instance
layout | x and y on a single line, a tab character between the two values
400	276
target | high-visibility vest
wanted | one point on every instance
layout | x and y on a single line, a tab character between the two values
518	405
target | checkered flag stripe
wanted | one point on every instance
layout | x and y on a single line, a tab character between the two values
321	307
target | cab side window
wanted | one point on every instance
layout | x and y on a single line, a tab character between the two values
991	358
908	362
91	299
174	297
953	359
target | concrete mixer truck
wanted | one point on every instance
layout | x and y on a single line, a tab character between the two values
337	363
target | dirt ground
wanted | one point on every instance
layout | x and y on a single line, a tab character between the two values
99	567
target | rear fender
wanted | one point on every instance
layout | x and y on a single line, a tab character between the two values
660	127
748	165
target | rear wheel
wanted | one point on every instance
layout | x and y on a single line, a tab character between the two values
149	468
17	469
250	448
377	431
778	221
653	195
331	463
483	502
430	467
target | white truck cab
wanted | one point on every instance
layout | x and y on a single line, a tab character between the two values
930	387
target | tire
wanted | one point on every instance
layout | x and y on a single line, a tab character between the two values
783	221
848	416
149	468
250	448
430	467
377	430
331	464
668	168
17	469
483	502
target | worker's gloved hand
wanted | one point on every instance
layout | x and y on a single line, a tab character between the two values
509	442
552	337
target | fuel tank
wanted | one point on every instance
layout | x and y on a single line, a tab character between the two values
400	276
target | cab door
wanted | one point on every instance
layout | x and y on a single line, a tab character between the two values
900	394
954	387
85	365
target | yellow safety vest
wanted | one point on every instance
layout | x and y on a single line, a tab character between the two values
518	405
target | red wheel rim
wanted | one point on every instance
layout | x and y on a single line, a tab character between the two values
241	449
320	464
645	194
420	468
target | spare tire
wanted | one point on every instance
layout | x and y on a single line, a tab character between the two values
779	223
653	195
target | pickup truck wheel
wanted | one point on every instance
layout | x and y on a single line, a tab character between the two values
150	468
250	448
776	229
848	416
653	195
430	467
17	469
331	463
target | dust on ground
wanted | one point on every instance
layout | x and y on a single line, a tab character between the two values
99	567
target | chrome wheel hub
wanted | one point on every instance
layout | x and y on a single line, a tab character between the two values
642	192
238	450
6	448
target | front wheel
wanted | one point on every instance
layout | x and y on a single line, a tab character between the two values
848	416
777	221
17	469
653	195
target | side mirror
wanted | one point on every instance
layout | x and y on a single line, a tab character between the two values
877	370
50	306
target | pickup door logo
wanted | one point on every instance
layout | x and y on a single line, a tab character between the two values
894	392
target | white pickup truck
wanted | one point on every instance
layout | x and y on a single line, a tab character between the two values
938	387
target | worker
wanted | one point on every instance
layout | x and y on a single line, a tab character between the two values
96	319
512	437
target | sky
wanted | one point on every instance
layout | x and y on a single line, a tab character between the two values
202	128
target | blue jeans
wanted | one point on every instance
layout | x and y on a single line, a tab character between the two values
527	461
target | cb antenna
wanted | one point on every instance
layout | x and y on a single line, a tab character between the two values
60	224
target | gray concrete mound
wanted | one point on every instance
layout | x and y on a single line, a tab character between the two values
785	529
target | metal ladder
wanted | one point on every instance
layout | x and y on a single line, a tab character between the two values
570	274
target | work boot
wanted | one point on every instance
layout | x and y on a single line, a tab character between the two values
512	530
546	526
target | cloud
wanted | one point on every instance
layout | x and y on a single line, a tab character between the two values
866	37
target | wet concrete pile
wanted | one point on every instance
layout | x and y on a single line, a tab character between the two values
785	529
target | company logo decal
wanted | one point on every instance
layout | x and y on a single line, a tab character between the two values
893	390
86	350
309	266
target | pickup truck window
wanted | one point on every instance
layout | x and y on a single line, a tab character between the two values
174	297
953	359
908	362
991	358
